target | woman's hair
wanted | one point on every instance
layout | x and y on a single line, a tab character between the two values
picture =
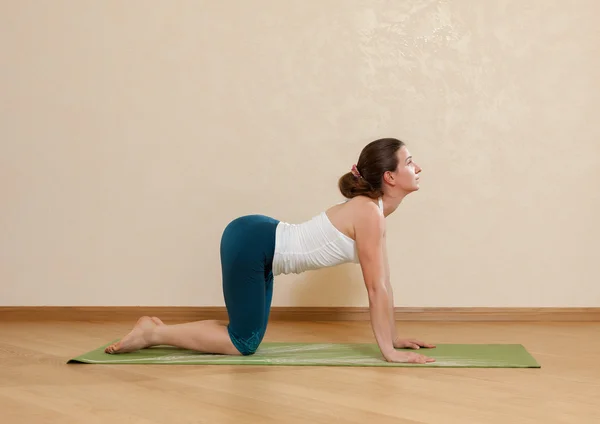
366	177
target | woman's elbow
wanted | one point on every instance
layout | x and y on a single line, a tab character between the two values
377	290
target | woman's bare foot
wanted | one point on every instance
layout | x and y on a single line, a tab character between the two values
139	338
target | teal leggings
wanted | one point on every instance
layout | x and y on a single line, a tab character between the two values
247	249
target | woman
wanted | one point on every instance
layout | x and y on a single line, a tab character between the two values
255	248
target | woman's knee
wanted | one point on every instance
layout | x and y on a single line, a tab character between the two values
246	345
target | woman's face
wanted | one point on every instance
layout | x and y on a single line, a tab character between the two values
406	176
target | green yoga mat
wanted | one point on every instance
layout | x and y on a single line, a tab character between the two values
326	354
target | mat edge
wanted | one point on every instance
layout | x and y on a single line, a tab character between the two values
534	365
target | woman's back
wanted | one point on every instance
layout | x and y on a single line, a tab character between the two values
325	240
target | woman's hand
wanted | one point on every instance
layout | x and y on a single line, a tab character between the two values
411	344
408	357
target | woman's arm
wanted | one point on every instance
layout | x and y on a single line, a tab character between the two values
369	232
390	291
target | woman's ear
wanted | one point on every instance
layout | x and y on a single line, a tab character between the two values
389	177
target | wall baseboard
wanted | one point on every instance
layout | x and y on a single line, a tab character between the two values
185	313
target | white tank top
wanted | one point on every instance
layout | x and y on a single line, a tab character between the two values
313	244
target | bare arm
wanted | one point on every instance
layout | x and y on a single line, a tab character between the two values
390	291
369	232
370	237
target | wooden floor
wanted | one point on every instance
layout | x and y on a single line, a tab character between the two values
36	385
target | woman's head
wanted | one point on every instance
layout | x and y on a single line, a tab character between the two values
384	165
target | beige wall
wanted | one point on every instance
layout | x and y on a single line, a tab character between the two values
132	132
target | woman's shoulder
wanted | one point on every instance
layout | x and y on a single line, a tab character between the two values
362	210
354	214
368	211
368	223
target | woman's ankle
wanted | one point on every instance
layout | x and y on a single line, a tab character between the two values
156	335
